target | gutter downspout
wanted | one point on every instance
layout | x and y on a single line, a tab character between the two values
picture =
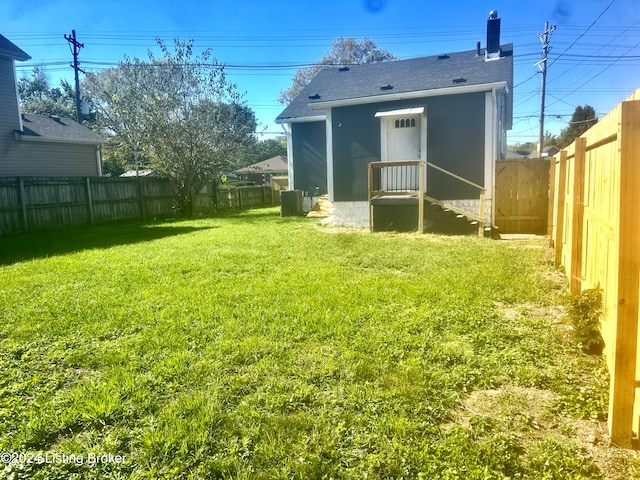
99	159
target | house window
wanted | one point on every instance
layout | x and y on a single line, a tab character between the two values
405	123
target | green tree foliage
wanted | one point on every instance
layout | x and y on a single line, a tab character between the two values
38	96
265	149
583	119
177	113
344	52
531	148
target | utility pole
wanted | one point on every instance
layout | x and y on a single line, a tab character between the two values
75	49
542	64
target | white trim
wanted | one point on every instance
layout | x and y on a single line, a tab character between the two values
15	82
490	149
99	160
423	143
329	143
409	95
28	138
311	118
404	111
290	173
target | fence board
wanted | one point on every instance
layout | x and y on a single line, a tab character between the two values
596	236
35	203
522	192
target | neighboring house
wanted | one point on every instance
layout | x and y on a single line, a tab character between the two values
451	110
40	145
260	173
547	152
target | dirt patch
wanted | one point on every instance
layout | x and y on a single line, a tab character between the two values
525	412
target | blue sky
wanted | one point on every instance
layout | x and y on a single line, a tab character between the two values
595	56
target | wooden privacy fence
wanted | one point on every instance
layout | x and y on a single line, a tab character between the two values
595	230
36	203
522	195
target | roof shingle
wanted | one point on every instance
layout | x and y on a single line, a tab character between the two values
377	80
56	129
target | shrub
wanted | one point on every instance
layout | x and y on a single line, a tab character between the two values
585	311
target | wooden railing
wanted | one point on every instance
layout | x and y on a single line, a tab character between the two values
408	178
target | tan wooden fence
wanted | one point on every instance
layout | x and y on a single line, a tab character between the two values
594	228
36	203
522	195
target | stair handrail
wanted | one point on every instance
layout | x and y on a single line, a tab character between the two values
457	177
422	190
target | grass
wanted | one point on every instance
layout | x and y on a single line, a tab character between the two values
254	346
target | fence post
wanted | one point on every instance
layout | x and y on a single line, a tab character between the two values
89	202
578	215
552	200
143	214
481	215
623	376
23	204
561	200
239	192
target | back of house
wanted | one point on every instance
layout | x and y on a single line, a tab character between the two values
451	110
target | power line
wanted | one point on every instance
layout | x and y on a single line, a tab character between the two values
583	33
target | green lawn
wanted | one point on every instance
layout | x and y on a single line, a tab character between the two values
253	346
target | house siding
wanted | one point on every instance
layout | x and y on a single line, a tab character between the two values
455	141
48	159
9	113
310	156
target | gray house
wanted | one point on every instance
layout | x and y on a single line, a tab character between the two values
450	110
39	145
261	173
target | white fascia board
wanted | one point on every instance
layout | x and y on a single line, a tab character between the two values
29	138
404	111
484	87
313	118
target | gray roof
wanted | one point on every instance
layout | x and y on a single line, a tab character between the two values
275	164
8	49
56	129
376	81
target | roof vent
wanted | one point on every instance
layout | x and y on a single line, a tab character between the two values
386	87
459	80
443	57
343	69
314	97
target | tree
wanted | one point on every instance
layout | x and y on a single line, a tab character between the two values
178	113
344	52
37	95
583	119
265	149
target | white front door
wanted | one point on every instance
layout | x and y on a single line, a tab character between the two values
403	138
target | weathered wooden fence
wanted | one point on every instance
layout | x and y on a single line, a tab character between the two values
36	203
595	230
522	195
